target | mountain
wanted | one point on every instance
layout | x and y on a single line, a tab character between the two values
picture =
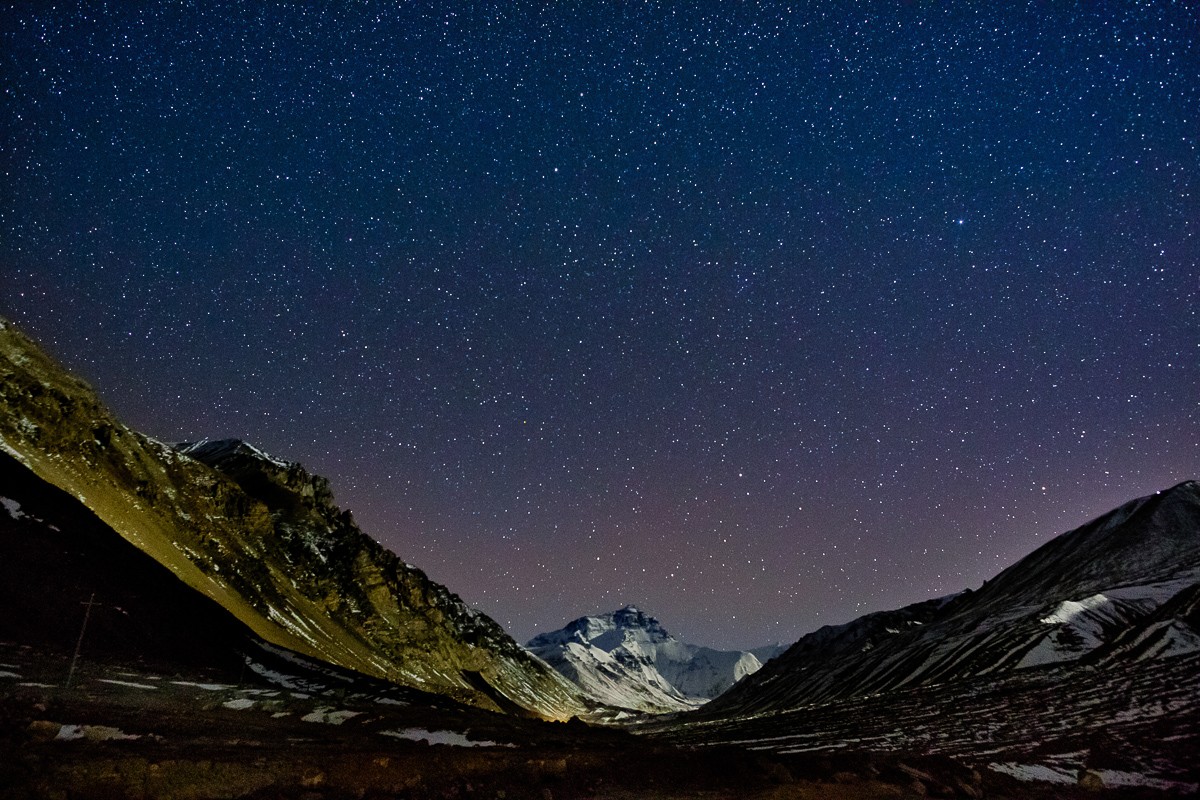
627	660
1125	585
262	539
1075	669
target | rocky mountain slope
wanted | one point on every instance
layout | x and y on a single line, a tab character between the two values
626	659
1075	669
264	541
1122	586
1065	729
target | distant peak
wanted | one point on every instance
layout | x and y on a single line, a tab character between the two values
215	450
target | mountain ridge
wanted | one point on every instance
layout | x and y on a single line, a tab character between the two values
254	555
1073	598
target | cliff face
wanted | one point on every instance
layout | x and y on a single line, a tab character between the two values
262	538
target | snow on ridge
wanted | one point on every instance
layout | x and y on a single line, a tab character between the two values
1167	638
1070	610
279	462
1086	624
225	447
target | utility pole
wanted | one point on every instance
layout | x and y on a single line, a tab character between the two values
79	644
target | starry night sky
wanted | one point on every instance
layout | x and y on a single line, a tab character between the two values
759	316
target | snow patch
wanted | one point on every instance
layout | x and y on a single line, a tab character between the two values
1069	610
93	733
208	687
282	679
1081	626
449	738
1034	772
6	674
328	716
130	684
1174	638
238	704
12	507
1112	777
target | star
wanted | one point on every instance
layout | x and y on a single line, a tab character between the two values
336	236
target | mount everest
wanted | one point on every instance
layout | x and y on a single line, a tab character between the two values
627	660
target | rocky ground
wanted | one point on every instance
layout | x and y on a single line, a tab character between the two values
278	729
1126	724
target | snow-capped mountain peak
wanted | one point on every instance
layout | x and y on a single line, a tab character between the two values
627	659
607	631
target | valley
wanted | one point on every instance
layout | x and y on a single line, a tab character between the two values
201	620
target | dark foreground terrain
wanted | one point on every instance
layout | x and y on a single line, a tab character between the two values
1134	725
283	728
